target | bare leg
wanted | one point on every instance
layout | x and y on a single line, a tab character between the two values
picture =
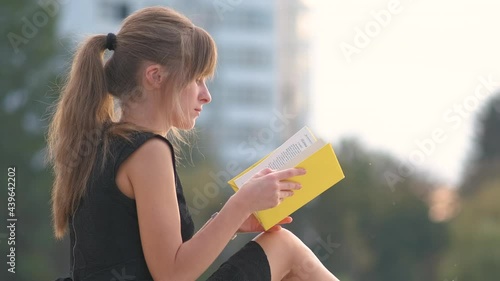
290	259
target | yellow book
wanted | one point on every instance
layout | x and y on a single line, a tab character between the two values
302	150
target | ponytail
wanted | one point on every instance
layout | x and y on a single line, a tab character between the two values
81	113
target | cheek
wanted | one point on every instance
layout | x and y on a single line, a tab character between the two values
185	101
183	109
189	99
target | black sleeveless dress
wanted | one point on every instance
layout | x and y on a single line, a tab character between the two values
104	230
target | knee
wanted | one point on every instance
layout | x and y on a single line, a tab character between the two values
283	237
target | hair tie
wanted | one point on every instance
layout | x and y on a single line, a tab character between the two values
111	41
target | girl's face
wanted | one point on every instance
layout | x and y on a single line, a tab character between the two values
192	99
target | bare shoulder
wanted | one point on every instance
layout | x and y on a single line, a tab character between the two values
151	162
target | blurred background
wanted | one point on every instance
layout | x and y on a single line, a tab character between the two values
406	91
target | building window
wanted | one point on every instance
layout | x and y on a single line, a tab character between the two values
250	19
115	10
122	11
249	95
246	57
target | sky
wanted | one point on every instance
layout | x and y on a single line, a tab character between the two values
406	77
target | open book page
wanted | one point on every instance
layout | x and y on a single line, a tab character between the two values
306	153
279	158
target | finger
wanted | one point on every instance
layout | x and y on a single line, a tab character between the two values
277	227
289	185
274	228
264	172
286	220
285	193
289	173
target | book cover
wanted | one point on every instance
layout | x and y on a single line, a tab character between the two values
302	150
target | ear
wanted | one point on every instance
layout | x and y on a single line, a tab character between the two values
155	75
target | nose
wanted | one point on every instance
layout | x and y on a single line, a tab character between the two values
205	96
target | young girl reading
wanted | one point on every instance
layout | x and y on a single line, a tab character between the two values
116	187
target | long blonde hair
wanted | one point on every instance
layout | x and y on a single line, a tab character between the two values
84	113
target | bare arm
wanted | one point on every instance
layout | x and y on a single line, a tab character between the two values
151	174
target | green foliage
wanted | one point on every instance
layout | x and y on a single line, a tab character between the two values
27	52
485	160
473	253
488	135
475	232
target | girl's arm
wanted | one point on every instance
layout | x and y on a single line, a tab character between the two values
151	174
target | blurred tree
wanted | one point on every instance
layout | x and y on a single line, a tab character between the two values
364	230
27	54
473	253
489	132
475	232
485	161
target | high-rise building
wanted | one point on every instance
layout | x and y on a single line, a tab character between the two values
293	20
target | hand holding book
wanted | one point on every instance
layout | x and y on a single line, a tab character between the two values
267	188
302	150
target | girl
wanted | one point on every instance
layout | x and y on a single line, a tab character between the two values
116	187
